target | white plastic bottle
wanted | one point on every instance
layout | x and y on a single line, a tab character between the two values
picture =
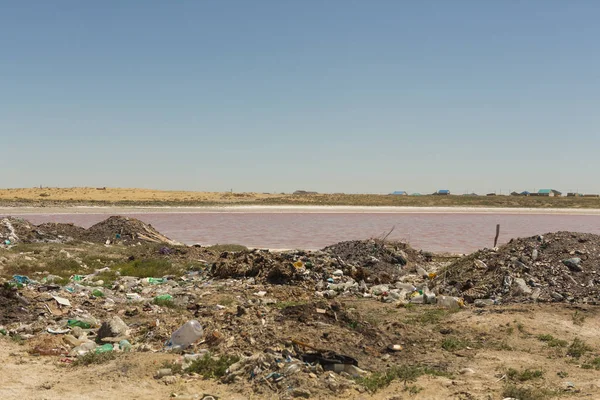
186	335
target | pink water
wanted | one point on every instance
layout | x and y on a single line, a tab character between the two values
438	232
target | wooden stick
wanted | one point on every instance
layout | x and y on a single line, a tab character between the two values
497	234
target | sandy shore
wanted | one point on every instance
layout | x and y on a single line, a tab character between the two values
296	209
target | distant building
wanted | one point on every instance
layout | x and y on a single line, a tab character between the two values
471	194
591	195
442	192
549	192
400	193
416	194
524	193
491	194
574	195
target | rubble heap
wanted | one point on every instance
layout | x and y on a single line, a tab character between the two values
114	229
561	266
372	261
126	230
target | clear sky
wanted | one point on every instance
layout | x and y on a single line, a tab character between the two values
330	95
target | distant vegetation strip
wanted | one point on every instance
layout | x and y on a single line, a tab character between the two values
322	200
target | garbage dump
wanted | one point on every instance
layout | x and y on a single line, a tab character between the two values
290	323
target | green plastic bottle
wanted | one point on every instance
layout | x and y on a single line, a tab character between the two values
81	324
97	293
105	348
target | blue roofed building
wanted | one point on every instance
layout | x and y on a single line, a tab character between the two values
443	192
400	193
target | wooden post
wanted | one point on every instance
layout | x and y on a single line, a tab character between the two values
497	234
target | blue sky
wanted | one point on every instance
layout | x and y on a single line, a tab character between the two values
352	96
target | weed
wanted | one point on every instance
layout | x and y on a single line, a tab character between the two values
594	364
226	301
405	373
522	393
94	358
429	316
147	268
353	324
212	367
410	306
176	368
578	348
521	328
524	375
108	277
453	344
18	339
578	318
510	330
552	341
562	374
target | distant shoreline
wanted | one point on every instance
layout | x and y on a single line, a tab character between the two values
231	209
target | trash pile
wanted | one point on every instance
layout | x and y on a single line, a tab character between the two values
115	229
555	267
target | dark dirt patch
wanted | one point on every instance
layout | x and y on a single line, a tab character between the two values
12	309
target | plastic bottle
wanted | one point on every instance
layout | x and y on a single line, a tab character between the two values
105	348
81	324
453	303
124	345
186	335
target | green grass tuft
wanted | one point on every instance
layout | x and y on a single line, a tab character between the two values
578	348
523	375
212	367
405	373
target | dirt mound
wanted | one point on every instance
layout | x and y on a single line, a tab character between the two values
374	258
124	229
62	232
561	266
114	229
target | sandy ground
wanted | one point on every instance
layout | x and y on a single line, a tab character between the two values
23	376
122	194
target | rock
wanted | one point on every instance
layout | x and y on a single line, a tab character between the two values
466	371
299	392
557	296
169	380
338	272
484	302
522	286
115	328
480	264
534	254
573	264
